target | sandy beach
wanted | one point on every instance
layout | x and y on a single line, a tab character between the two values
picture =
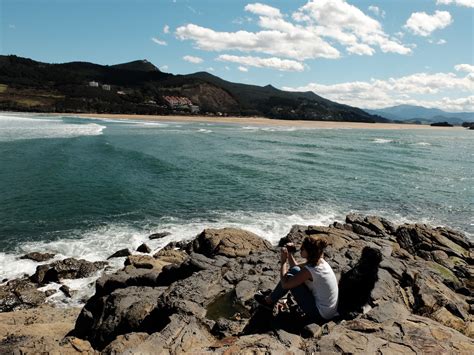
266	122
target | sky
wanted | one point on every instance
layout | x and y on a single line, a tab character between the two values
364	53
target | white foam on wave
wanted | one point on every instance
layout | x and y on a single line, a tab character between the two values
423	143
382	140
14	128
202	130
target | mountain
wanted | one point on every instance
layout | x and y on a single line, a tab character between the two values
138	65
139	87
422	114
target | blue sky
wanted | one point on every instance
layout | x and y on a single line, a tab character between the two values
364	53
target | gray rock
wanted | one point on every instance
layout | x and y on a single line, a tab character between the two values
66	290
20	294
159	235
143	248
120	253
38	257
69	268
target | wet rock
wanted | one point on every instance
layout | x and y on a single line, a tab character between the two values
230	242
38	257
159	235
143	248
120	253
49	293
66	269
66	290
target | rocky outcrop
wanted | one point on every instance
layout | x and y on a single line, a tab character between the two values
412	286
403	289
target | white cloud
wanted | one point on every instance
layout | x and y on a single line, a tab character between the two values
166	29
164	68
210	69
376	11
465	68
159	41
422	24
274	63
268	42
418	89
243	69
307	36
348	25
466	3
226	68
263	10
192	59
441	42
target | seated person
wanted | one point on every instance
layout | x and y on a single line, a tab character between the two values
312	284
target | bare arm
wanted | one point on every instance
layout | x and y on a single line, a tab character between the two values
291	260
296	280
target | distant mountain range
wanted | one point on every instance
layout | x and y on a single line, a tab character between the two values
419	114
139	87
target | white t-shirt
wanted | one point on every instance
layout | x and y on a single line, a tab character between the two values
324	288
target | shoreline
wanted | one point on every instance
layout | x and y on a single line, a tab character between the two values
192	306
261	121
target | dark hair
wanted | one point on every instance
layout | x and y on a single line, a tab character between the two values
314	248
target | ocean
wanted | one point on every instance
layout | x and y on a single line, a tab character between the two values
85	188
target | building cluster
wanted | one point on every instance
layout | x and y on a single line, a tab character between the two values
180	103
95	84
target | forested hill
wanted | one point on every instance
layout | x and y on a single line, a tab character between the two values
139	87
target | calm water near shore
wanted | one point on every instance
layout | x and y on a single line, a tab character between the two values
85	188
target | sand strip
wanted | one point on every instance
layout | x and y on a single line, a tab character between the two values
260	121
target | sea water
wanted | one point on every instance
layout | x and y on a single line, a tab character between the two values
85	188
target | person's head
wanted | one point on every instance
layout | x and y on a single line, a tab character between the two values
312	249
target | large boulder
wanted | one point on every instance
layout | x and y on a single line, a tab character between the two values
123	311
230	242
69	268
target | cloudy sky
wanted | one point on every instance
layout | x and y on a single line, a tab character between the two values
365	53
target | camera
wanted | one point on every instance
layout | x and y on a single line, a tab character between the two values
291	248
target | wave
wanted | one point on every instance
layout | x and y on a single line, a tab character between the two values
422	143
99	243
382	140
202	130
13	128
